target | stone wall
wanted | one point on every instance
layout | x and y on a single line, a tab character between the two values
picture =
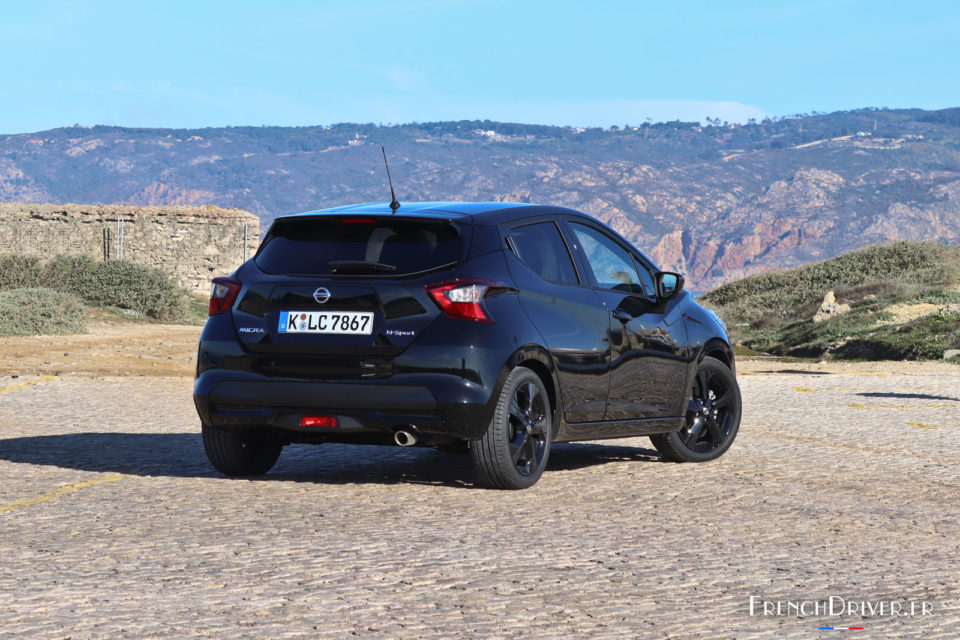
192	244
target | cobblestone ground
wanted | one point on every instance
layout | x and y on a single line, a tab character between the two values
844	485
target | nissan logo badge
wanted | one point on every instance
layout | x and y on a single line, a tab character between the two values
321	295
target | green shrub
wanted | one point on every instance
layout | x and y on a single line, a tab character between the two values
114	283
922	339
39	311
773	312
17	272
68	273
797	292
127	285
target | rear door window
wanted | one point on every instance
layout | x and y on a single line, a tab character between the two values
379	246
541	247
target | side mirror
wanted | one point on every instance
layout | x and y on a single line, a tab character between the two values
669	284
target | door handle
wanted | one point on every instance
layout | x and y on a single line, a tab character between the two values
622	315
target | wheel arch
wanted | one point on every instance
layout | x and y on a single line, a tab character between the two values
720	350
538	360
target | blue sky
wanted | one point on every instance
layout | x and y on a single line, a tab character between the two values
288	62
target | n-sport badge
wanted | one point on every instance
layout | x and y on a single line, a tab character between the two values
321	295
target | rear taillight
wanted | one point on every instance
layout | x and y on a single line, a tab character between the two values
463	298
223	291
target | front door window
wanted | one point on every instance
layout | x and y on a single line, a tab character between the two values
612	266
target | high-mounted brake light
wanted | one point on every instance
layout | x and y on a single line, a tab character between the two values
358	220
463	298
223	292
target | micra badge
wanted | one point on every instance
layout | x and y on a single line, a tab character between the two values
251	330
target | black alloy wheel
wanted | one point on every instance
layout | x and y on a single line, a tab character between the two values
513	452
712	420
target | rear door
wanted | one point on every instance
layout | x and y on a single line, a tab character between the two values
570	317
647	337
345	285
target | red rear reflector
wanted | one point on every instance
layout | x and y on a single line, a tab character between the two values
318	421
358	220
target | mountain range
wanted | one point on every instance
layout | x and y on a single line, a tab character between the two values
716	201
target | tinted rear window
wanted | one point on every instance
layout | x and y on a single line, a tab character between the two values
358	246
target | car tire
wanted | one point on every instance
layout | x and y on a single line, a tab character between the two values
241	452
513	452
712	420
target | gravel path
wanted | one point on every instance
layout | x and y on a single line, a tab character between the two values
842	483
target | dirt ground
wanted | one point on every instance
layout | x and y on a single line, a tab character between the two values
112	348
108	349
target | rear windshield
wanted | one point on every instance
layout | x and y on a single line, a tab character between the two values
358	246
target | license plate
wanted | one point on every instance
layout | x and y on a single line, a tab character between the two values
336	322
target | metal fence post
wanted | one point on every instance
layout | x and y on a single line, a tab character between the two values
119	255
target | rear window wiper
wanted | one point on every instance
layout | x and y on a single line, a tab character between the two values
339	266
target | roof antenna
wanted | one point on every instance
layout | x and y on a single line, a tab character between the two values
394	205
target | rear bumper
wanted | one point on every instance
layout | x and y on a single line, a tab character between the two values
433	403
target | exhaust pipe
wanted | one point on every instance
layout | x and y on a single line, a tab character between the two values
405	438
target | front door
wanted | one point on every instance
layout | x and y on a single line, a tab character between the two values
647	339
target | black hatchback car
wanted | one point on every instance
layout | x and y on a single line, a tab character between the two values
499	326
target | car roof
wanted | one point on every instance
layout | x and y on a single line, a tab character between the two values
482	213
478	212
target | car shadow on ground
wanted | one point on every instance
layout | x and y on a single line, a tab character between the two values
577	455
796	372
146	454
180	455
914	396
